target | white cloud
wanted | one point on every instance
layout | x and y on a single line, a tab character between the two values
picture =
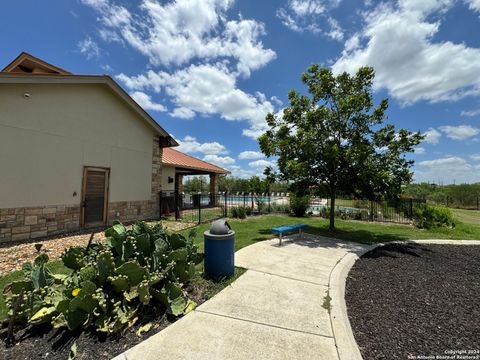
471	113
89	48
198	32
177	32
399	42
145	101
473	5
432	136
260	164
460	132
312	16
446	170
206	89
475	157
182	113
419	150
219	160
189	144
335	32
237	171
250	155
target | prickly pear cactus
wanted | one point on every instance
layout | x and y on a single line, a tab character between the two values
73	257
111	283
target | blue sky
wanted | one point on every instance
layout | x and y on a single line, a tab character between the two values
209	70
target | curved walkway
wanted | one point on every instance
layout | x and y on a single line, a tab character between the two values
278	309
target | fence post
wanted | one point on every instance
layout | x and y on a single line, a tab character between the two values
226	209
244	199
175	203
411	209
371	210
199	208
269	199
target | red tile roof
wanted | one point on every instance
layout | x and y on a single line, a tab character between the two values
179	159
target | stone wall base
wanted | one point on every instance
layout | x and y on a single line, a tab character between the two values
26	223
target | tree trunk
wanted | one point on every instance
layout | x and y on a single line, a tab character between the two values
331	227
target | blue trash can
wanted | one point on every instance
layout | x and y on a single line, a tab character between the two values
219	250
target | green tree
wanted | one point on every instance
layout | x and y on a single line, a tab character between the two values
194	184
258	186
334	140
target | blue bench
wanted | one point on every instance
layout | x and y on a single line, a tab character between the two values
287	228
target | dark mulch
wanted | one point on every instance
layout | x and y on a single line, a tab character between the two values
415	300
42	342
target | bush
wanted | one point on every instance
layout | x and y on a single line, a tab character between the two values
299	204
239	212
110	284
279	208
433	217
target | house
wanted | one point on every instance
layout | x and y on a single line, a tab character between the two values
77	151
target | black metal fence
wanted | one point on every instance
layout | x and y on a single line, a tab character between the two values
199	208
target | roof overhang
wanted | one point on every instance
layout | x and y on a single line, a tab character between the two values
27	62
17	78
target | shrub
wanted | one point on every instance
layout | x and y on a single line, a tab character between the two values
109	284
280	208
239	212
299	204
430	217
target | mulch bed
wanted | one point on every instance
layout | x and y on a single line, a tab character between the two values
42	342
413	301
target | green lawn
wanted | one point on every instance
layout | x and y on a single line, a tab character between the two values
467	216
258	228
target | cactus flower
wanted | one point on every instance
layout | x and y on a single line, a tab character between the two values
75	291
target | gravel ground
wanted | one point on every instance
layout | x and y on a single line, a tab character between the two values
12	256
415	301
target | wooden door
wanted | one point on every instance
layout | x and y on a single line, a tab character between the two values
95	196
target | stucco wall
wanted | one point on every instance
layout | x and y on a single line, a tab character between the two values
168	171
46	140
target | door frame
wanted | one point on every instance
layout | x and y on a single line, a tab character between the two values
84	193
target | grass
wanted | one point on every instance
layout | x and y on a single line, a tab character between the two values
327	302
211	288
467	216
258	228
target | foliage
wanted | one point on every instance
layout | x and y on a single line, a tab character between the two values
195	184
431	217
299	204
111	283
464	196
251	185
239	212
332	141
280	208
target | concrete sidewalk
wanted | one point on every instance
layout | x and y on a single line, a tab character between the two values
273	311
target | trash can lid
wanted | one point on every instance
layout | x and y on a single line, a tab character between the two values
220	227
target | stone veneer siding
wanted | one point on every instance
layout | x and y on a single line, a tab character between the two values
40	221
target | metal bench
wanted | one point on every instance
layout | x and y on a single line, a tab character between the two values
288	228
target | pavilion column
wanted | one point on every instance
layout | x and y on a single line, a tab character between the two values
213	183
213	189
179	183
